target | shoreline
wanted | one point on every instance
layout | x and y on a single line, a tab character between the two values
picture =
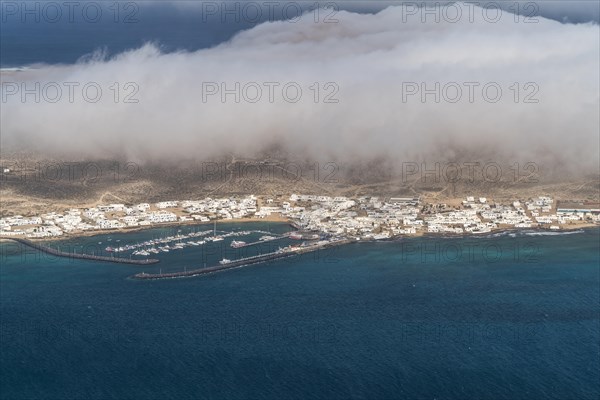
133	229
279	219
507	231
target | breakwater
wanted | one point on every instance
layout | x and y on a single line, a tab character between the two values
241	262
59	253
263	241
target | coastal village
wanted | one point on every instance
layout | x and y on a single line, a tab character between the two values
362	218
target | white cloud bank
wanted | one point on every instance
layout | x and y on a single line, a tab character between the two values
368	57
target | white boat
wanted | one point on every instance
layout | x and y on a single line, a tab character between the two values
381	236
266	237
224	261
237	243
217	239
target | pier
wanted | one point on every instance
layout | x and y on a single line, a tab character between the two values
241	262
263	241
58	253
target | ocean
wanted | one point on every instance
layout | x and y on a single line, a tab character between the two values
60	33
509	316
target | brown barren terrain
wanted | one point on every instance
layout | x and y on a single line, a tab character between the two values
35	185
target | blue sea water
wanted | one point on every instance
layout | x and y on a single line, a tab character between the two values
62	34
499	317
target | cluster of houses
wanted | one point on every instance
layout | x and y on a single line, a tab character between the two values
118	216
371	217
364	217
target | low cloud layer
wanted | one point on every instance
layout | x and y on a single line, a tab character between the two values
366	67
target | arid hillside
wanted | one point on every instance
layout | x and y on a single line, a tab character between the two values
31	185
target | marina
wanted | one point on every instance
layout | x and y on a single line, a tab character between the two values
264	239
181	241
226	264
59	253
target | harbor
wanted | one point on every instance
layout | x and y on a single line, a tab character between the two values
180	241
225	264
262	240
83	256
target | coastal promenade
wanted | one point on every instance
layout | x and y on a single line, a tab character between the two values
58	253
